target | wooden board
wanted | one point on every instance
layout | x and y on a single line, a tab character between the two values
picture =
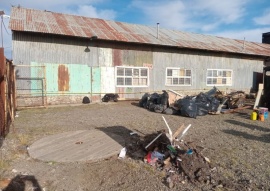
82	145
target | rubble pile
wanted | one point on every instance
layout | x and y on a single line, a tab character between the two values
182	162
202	104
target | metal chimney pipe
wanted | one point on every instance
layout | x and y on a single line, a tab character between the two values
157	30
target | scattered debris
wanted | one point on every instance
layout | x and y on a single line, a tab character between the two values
122	153
182	162
133	133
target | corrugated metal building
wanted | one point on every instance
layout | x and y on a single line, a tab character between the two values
123	58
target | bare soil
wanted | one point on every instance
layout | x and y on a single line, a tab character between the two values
238	149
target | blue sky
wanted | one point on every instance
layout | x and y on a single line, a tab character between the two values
237	19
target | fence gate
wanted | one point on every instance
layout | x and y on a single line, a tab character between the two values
30	85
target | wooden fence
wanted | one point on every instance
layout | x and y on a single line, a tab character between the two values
7	94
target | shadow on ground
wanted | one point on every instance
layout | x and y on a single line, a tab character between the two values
134	141
247	125
264	138
22	182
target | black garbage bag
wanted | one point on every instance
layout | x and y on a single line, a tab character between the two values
110	97
143	100
187	107
203	104
155	98
214	104
170	111
199	105
164	99
212	92
86	100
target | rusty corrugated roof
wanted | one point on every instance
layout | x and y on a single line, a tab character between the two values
30	20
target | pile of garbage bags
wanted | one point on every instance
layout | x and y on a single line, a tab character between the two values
157	103
190	106
200	105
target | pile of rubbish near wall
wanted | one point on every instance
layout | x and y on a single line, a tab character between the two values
213	101
182	162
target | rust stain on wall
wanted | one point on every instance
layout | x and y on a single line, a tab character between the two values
63	78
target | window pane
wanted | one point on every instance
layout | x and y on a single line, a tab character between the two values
175	73
220	73
143	72
214	81
182	72
136	72
120	71
181	80
219	80
143	81
169	81
128	81
169	72
224	74
120	81
187	81
224	81
175	81
128	72
135	81
209	81
215	73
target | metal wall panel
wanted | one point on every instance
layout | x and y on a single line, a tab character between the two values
105	57
29	48
67	78
243	70
96	80
53	51
80	78
107	80
136	57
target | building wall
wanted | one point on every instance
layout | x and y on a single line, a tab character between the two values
72	73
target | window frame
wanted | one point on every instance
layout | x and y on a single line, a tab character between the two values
219	77
132	76
172	77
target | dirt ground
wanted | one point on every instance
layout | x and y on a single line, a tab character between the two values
237	147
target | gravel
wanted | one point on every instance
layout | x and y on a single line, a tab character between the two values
235	145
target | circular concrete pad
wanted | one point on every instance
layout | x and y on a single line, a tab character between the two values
82	145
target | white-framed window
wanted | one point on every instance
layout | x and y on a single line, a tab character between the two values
132	76
178	77
219	77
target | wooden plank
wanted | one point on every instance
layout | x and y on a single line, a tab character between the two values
237	109
178	131
258	97
95	145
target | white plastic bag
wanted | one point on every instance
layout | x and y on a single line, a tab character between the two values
122	153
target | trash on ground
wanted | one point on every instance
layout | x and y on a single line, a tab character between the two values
123	153
211	102
181	161
110	97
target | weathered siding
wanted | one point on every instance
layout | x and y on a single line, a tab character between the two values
72	73
29	48
107	80
243	70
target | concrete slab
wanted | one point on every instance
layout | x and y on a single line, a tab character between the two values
82	145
